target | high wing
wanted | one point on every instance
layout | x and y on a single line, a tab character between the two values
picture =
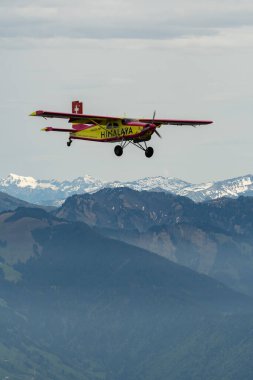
159	122
103	120
76	118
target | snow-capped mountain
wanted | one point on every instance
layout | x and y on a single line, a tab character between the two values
47	192
231	188
54	192
170	184
197	192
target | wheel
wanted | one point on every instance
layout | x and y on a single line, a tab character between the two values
69	142
118	150
149	152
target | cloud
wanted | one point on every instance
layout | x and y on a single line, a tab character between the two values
118	19
229	38
184	58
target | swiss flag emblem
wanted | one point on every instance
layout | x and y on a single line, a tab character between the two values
77	107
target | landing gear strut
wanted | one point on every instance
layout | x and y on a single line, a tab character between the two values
149	151
69	142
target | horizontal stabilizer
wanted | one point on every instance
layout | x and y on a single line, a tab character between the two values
51	129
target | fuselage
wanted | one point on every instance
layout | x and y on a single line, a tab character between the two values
114	131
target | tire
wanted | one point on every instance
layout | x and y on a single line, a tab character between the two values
149	152
118	150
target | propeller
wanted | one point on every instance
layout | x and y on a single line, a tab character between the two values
158	134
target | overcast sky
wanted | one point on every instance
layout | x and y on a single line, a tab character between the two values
184	59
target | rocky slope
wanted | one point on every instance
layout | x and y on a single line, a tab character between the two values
215	237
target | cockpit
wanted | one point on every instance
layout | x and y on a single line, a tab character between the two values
112	125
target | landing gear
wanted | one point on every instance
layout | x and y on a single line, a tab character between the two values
149	152
118	150
69	142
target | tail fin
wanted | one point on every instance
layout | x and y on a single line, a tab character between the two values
77	107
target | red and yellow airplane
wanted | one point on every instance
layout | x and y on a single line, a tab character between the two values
125	131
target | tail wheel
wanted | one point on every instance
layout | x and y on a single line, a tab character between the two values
149	152
69	142
118	150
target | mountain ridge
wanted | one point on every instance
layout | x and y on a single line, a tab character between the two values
213	237
86	307
54	192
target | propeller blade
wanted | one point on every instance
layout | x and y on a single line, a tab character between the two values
158	134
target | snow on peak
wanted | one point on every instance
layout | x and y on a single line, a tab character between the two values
170	184
20	181
25	182
88	179
54	192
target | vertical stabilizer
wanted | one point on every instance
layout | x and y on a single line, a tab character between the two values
77	107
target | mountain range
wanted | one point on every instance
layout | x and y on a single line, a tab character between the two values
121	284
77	305
213	237
54	192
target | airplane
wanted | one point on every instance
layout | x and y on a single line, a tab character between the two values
112	129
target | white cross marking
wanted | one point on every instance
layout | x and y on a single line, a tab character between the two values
76	109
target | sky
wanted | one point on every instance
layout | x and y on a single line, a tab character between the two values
184	59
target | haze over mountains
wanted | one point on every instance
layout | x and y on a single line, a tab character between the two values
77	305
54	192
214	237
7	202
123	284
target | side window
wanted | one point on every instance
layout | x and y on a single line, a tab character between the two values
112	125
